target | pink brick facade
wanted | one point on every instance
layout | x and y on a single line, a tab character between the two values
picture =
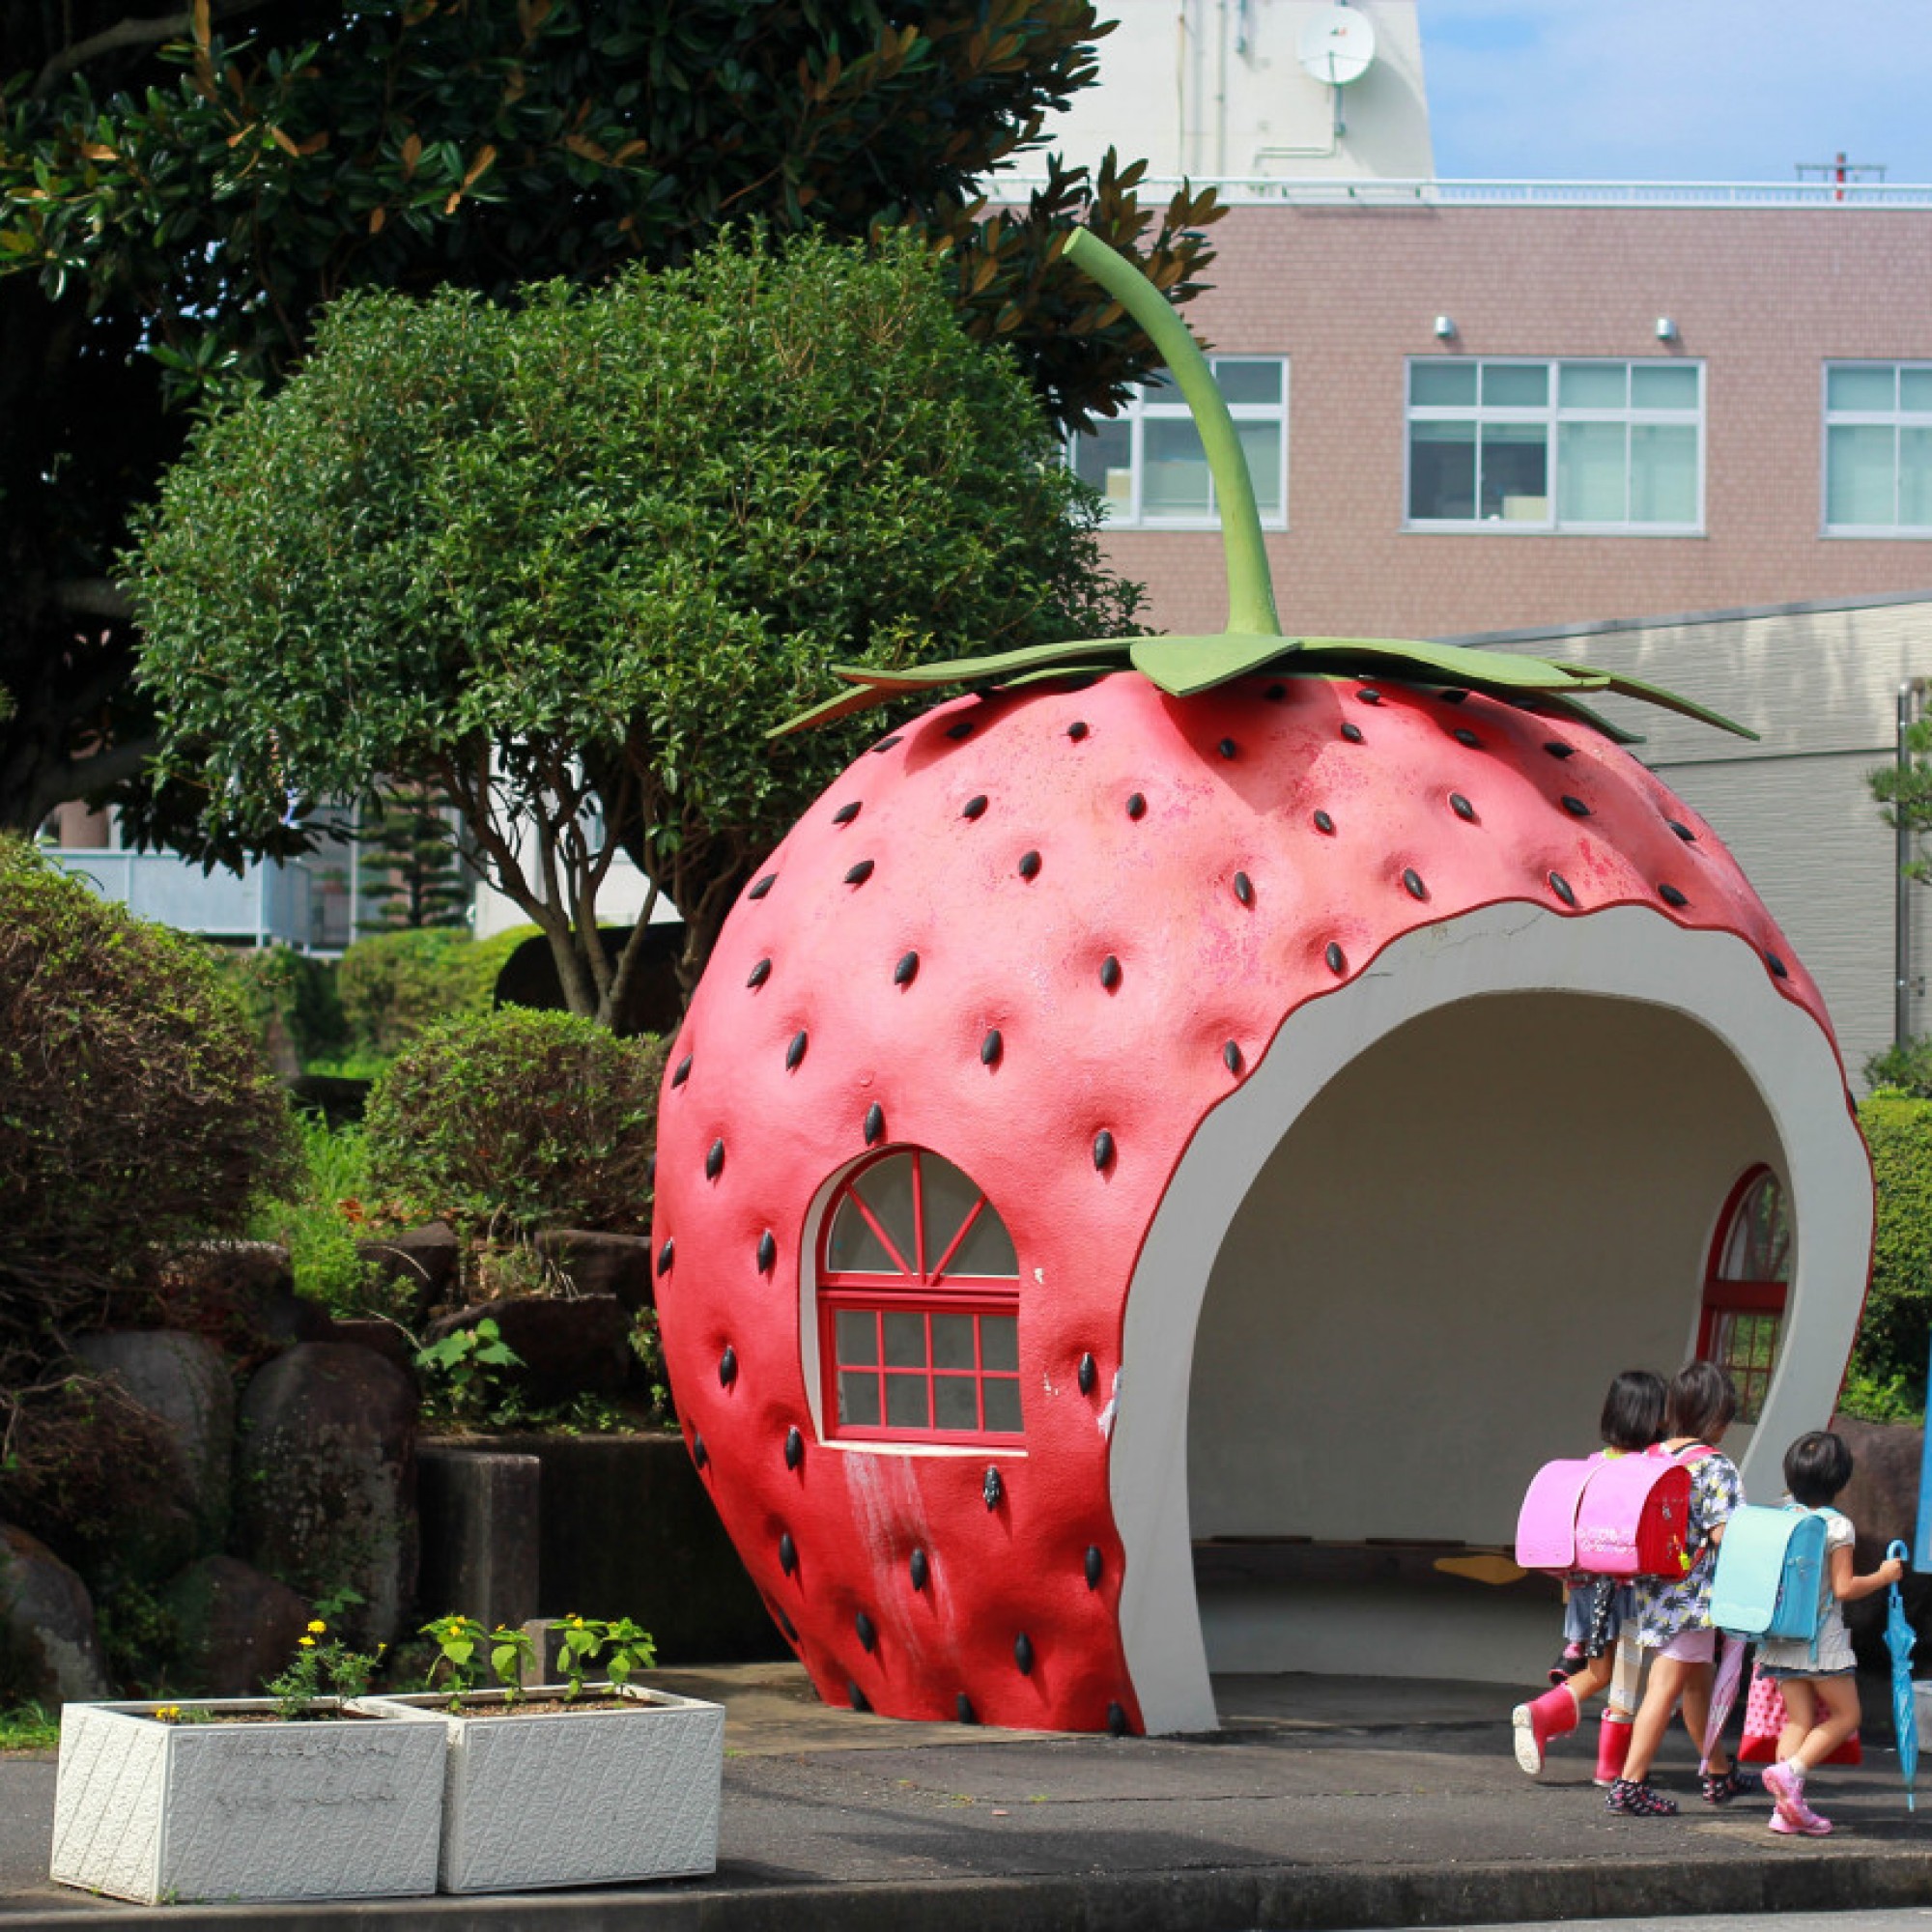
1761	296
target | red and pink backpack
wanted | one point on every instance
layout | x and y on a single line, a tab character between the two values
1610	1516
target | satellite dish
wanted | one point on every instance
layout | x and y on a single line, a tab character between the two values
1337	45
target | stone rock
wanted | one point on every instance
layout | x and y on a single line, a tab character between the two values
383	1337
183	1382
327	1481
420	1260
52	1654
243	1296
237	1627
599	1263
567	1348
1882	1499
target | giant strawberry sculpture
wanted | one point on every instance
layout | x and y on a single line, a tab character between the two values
999	990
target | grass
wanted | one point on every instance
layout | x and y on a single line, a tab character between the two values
28	1727
312	1221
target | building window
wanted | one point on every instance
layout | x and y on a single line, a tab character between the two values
918	1306
1744	1288
1148	463
1601	447
1878	448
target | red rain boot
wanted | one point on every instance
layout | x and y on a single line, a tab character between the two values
1538	1724
1613	1742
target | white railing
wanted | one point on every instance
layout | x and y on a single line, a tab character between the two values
1310	190
270	902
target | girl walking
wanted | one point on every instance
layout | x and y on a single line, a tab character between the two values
1818	1680
1673	1616
1595	1611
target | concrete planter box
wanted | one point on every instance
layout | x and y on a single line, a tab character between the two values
164	1813
578	1797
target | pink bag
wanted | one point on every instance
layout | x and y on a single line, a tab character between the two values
1612	1515
1764	1720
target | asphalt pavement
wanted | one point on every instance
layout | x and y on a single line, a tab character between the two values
1323	1803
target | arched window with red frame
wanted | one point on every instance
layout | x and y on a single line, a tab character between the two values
917	1306
1744	1288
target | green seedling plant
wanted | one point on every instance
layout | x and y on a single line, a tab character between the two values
464	1364
619	1645
463	1643
320	1669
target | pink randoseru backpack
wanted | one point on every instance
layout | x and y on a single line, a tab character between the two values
1617	1515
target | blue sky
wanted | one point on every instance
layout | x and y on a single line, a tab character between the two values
1677	90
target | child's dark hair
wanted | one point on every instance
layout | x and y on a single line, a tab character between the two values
1702	1401
1816	1467
1634	1410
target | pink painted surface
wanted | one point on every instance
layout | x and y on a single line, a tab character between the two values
1228	907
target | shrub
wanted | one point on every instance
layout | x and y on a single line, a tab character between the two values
517	1119
1897	1326
278	981
136	1112
393	985
1906	1066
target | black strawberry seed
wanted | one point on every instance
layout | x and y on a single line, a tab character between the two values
992	1488
974	807
884	744
1671	896
962	729
1244	889
860	872
1353	732
1227	747
1076	731
1136	807
962	1710
1109	973
1574	807
1088	1373
1452	695
1683	832
1230	1057
683	1072
1465	736
1776	965
920	1569
699	1454
714	1160
1462	807
1324	823
1103	1149
904	972
1337	964
990	1048
1023	1654
1117	1720
1560	886
875	1123
794	1448
758	974
787	1553
763	886
665	1253
867	1636
857	1695
1558	749
795	1052
1093	1566
846	813
1369	694
1411	881
727	1367
1276	693
1029	865
768	1252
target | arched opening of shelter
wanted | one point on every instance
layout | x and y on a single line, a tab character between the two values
1422	1297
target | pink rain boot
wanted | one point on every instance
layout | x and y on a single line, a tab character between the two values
1538	1724
1613	1742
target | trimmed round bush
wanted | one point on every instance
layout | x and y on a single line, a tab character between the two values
394	986
517	1120
137	1115
1897	1326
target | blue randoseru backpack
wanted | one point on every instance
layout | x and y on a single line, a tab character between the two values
1771	1573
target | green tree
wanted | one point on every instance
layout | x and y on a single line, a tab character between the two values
182	192
410	873
567	562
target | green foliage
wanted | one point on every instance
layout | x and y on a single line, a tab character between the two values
293	987
320	1217
410	871
319	1669
463	1643
1890	1361
136	1113
519	1119
1874	1400
394	984
1905	795
568	563
1903	1069
459	1371
29	1727
622	1648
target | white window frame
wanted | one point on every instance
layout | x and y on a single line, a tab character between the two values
1895	418
1550	415
1171	407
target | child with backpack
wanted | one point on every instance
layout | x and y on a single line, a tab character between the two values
1818	1680
1673	1621
1596	1609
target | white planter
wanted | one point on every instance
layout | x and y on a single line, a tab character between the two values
161	1813
576	1797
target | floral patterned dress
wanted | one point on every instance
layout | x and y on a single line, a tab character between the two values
1666	1608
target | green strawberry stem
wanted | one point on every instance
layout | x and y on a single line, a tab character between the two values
1250	589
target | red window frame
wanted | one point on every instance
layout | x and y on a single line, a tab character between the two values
1731	1330
922	1286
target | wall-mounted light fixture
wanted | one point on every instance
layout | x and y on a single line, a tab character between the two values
1666	329
1445	327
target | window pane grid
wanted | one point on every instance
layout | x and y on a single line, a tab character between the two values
1745	1293
1878	448
1601	446
942	1373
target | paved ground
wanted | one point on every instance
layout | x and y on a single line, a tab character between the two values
1324	1802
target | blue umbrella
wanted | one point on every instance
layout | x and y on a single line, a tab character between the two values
1899	1640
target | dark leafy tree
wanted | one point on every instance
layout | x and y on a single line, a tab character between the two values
410	873
182	192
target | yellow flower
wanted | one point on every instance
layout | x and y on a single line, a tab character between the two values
317	1628
166	1714
306	1642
